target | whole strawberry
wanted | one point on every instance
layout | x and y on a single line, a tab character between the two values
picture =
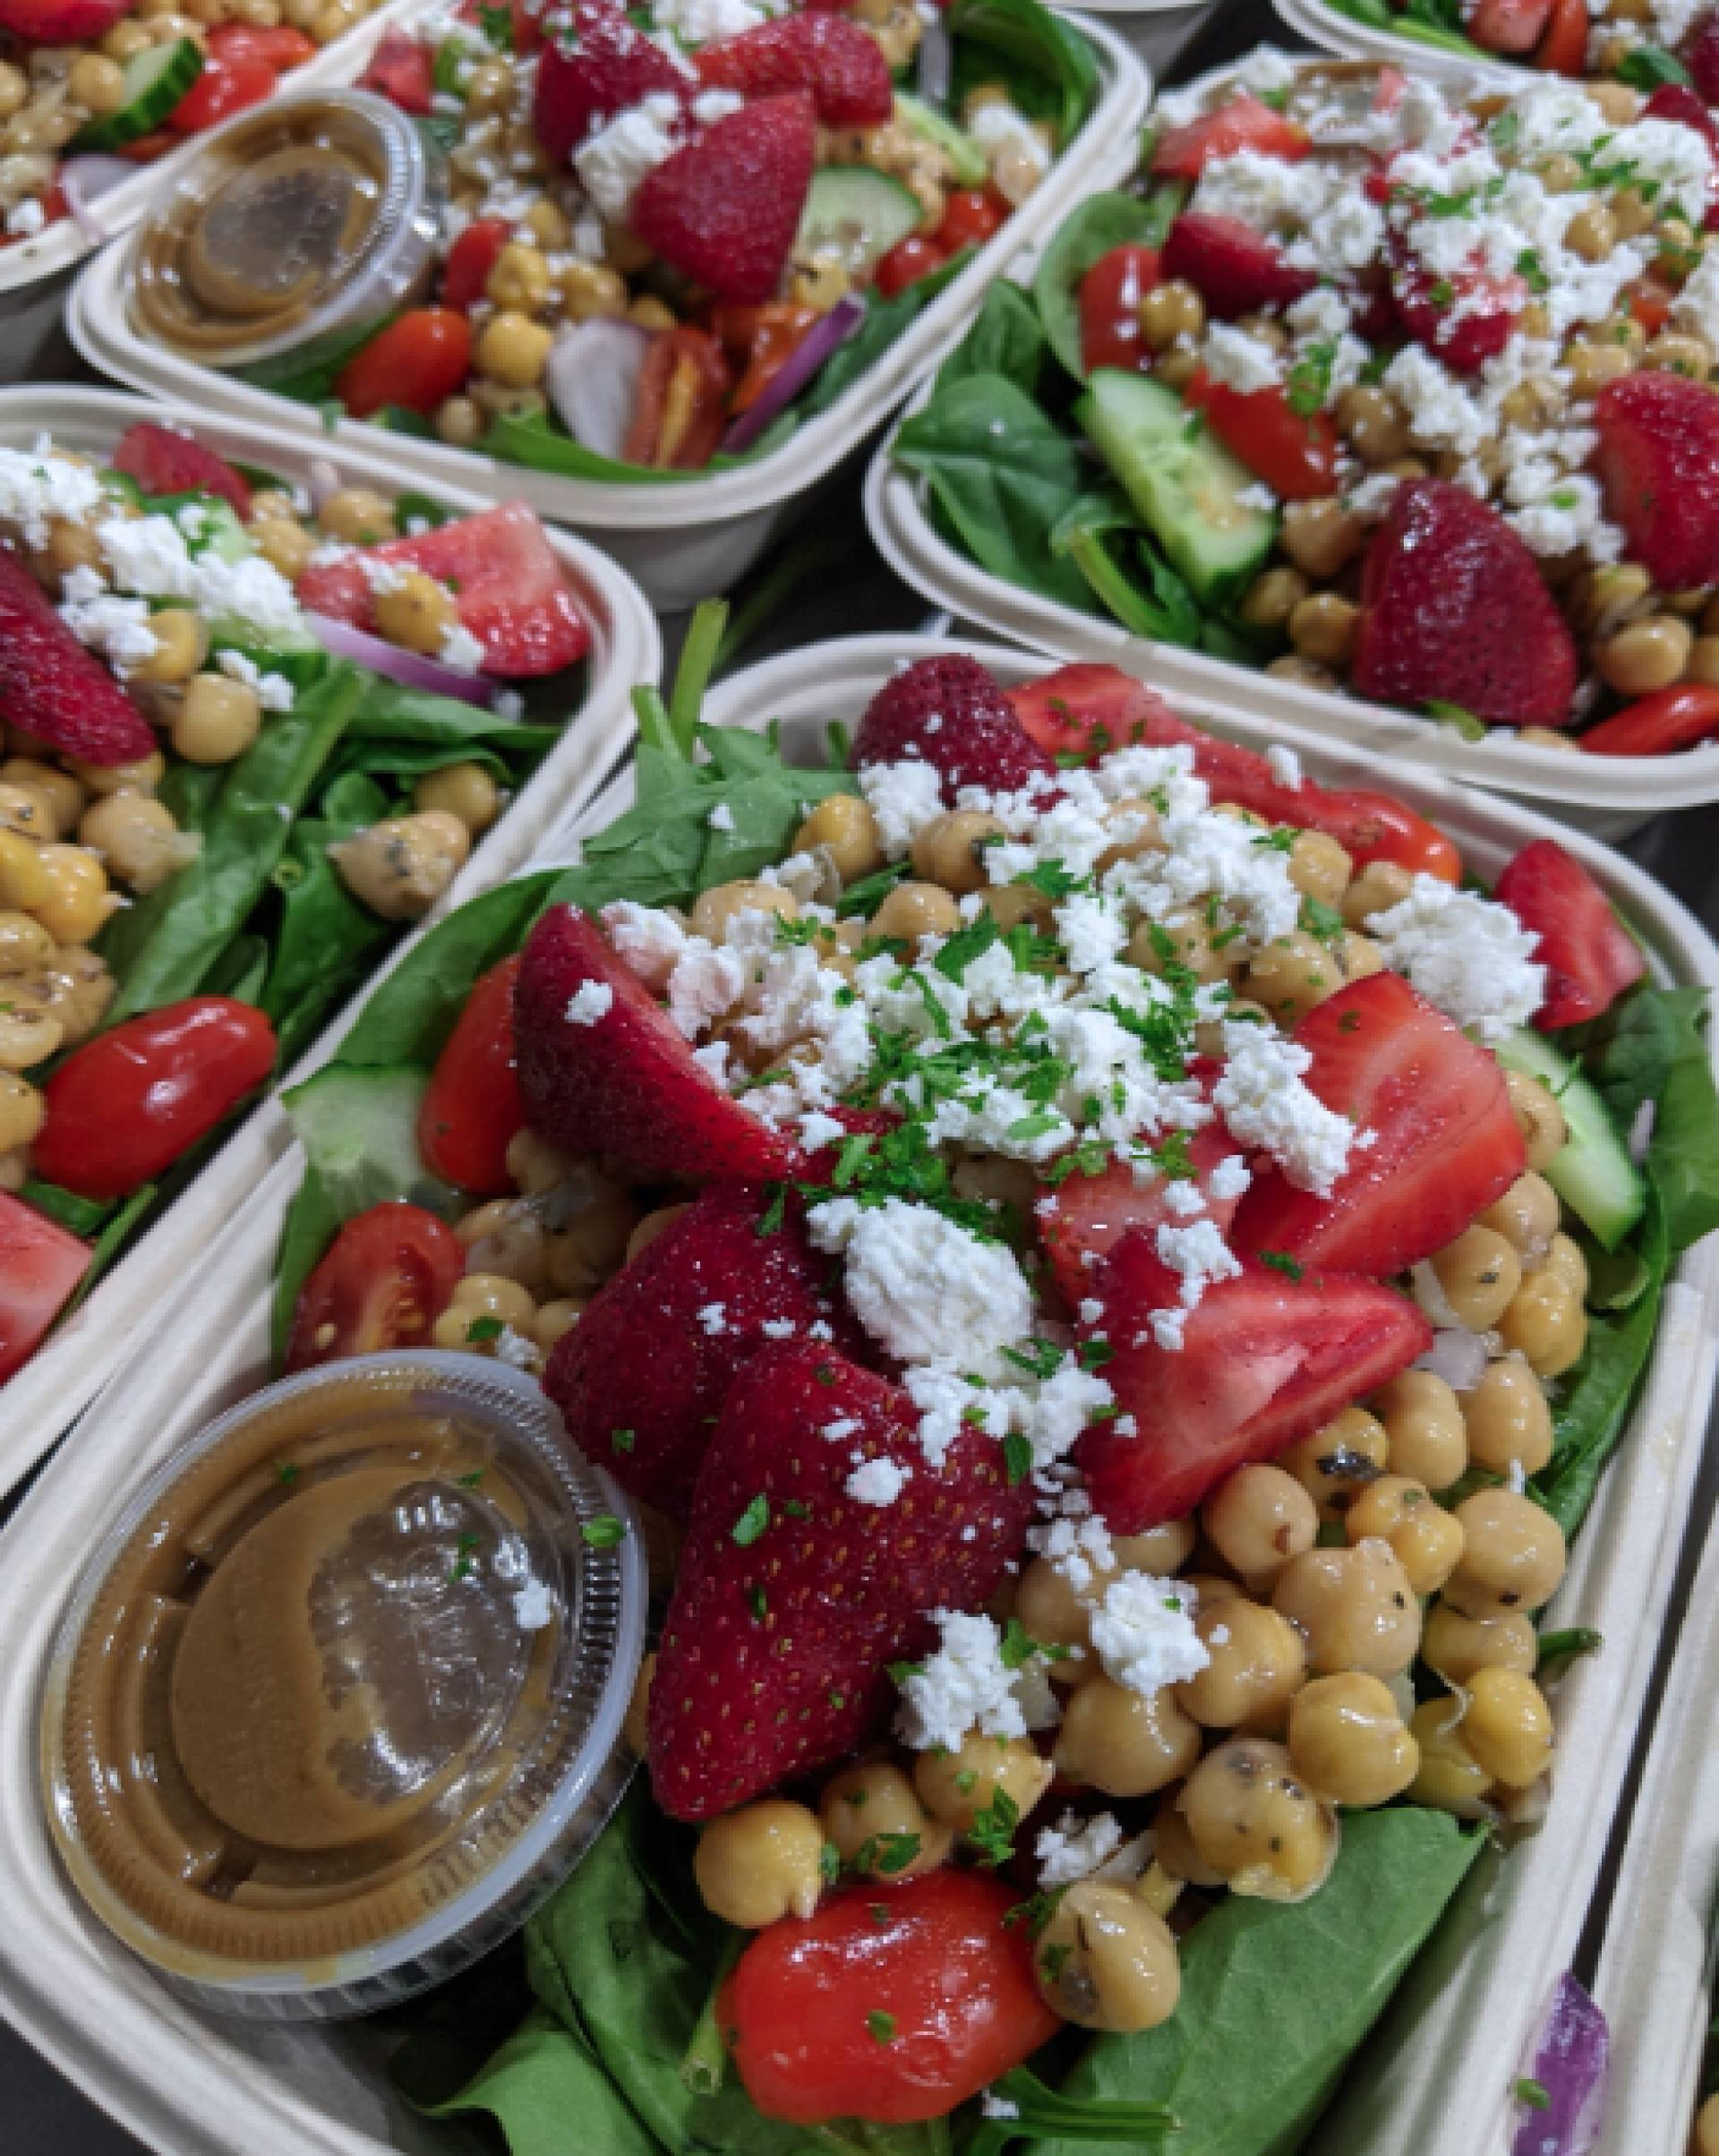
841	66
602	65
52	688
794	1593
724	210
949	712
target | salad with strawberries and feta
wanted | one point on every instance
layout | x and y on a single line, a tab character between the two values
252	729
1392	389
1111	1272
672	233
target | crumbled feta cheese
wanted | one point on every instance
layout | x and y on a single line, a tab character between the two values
646	940
714	1318
1285	765
592	1000
1465	954
1075	1849
1239	361
924	1287
965	1685
904	798
461	650
1143	1632
612	162
1264	1101
876	1482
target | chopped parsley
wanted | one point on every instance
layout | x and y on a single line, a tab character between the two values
992	1832
1017	1458
881	2025
1279	1260
1535	2094
752	1522
603	1531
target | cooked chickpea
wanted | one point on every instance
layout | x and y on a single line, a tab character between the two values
955	1786
1252	1819
1526	1215
466	790
1336	1462
460	422
1546	1322
715	908
56	787
1592	233
358	515
1307	674
21	1109
1707	2128
1258	1518
1703	661
520	277
77	900
555	1318
77	988
1170	310
1449	1777
1256	1664
217	720
759	1864
1513	1555
1507	1727
137	839
416	613
1291	975
1592	366
507	1237
1478	1274
594	1217
1565	1259
950	849
492	1295
288	547
1180	939
1677	352
1457	1645
534	1164
70	545
843	824
1172	1849
1056	1612
1160	1550
1378	886
1273	596
1509	1419
400	867
27	1037
513	350
1355	1608
1374	421
913	910
591	293
1010	904
872	1811
653	1224
1322	537
24	945
15	90
181	646
1538	1118
1645	655
1425	1538
1319	868
1323	627
96	83
1125	1742
23	877
1347	1741
1106	1961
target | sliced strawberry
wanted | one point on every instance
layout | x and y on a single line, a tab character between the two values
776	1651
950	712
62	21
1590	957
1088	710
1464	318
1084	1217
641	1376
40	1264
1658	461
510	590
1264	1360
1454	608
1507	26
52	688
1234	269
602	65
1243	123
840	65
165	462
625	1083
402	69
1436	1140
1701	57
725	209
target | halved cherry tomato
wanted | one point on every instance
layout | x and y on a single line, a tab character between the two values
402	69
1295	454
224	88
907	262
417	362
1243	123
388	1275
1658	725
682	401
1590	957
758	340
281	47
472	1112
129	1103
894	2003
970	216
1111	291
466	274
1563	51
40	1264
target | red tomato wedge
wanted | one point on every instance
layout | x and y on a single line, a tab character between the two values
1590	957
224	88
972	215
471	1111
907	262
388	1275
1296	456
1111	291
1243	123
894	2003
466	273
683	402
1441	1142
40	1264
1658	725
759	341
402	69
512	594
281	47
1264	1360
165	462
1087	709
417	362
1082	1220
1563	51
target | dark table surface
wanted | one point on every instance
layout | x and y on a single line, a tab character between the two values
41	2113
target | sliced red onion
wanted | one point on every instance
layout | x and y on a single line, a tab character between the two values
322	480
1459	1357
1570	2064
935	64
593	382
828	332
86	179
410	669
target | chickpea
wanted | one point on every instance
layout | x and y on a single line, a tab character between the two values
867	1812
1251	1818
358	515
1703	661
1526	1215
1449	1777
465	790
1509	1419
759	1864
27	1038
1106	1961
715	910
1479	1273
1256	1664
1125	1742
1323	627
137	839
1677	352
956	1787
1645	655
1306	672
555	1318
1273	596
1055	1610
513	350
15	90
181	646
417	613
1545	1322
1538	1118
61	793
77	989
1513	1555
1322	537
1564	1258
400	867
594	1220
520	277
506	1237
492	1295
460	422
1508	1726
21	1109
843	824
1291	975
1425	1538
1707	2128
1258	1518
1159	1550
1180	939
653	1224
23	877
1380	886
24	945
1011	904
69	546
1169	311
1592	233
1374	421
77	900
590	293
288	547
96	83
1545	737
1347	1741
913	910
1319	868
1456	1645
534	1164
217	720
1339	1461
1355	1608
1172	1849
1592	366
950	851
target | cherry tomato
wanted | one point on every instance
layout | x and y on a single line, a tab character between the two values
388	1275
128	1104
970	216
682	401
466	275
1111	291
1295	455
758	340
224	88
40	1264
281	47
1563	49
1658	725
907	262
402	69
472	1112
417	362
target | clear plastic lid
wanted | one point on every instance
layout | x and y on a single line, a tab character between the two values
338	1701
298	224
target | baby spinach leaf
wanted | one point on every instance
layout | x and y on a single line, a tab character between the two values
543	2078
1658	1051
886	320
1006	340
1050	69
1100	223
325	937
305	1234
1167	610
84	1217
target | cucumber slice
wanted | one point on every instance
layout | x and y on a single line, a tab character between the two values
359	1128
155	82
1182	481
1594	1175
855	216
965	156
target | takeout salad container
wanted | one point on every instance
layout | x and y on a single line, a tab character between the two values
683	540
1334	31
1609	794
44	1397
1435	2081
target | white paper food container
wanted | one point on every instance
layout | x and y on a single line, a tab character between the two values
1610	795
1328	27
681	540
37	1404
192	2086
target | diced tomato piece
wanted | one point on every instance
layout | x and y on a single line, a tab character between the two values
281	47
1590	957
1650	300
682	401
471	1111
417	362
1111	291
165	462
402	69
224	88
388	1275
1295	455
1563	51
907	262
1241	123
1086	710
970	217
1660	724
40	1264
1083	1218
759	341
466	273
1440	1145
